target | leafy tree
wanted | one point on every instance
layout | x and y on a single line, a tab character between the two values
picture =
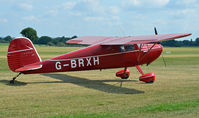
170	43
197	42
30	33
73	37
7	38
44	39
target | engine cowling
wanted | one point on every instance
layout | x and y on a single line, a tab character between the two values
148	78
123	74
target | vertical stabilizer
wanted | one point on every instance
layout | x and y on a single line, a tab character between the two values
21	52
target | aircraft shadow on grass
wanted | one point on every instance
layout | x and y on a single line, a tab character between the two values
99	85
17	83
94	84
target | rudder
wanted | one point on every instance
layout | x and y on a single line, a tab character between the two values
21	52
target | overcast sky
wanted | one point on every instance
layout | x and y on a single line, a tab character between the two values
99	17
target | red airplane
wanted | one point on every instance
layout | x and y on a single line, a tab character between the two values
103	53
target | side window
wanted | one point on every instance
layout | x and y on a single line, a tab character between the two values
126	48
121	48
129	47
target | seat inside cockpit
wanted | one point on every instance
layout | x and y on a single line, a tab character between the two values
125	48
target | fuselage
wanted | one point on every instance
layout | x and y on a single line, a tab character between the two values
101	57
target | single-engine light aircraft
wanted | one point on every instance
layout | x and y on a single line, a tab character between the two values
102	53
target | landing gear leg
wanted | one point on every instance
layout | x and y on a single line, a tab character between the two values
13	79
147	78
139	69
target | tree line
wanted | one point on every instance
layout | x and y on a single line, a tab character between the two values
61	41
43	40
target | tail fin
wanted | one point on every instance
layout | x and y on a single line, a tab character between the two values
21	52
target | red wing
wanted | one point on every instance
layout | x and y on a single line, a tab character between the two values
144	39
90	40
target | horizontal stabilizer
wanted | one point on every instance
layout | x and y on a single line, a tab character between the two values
29	67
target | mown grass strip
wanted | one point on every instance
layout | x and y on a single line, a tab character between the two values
169	107
93	115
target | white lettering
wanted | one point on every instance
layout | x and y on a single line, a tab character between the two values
96	60
81	62
58	65
73	63
88	61
66	65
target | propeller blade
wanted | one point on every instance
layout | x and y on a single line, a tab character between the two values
156	33
164	60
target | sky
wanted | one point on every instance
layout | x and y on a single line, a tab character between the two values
56	18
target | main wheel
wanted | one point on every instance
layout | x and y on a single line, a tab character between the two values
150	82
126	76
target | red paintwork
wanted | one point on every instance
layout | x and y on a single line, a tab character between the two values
124	73
90	40
101	57
104	53
139	69
148	78
21	52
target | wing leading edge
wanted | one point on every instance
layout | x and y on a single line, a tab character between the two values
91	40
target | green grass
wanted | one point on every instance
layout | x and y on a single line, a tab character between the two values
97	94
160	108
4	44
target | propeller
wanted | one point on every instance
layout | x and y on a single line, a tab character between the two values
156	33
163	60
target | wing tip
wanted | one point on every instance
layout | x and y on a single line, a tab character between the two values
187	34
74	41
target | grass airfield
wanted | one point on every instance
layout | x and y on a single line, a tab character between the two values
99	94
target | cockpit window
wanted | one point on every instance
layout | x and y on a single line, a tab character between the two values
122	49
129	47
125	48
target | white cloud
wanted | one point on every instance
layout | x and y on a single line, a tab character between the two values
74	13
94	18
146	3
186	12
114	9
115	18
89	7
25	6
69	5
135	2
186	2
3	20
31	18
160	2
91	2
53	12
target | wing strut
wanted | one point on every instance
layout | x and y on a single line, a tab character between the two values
140	49
156	33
